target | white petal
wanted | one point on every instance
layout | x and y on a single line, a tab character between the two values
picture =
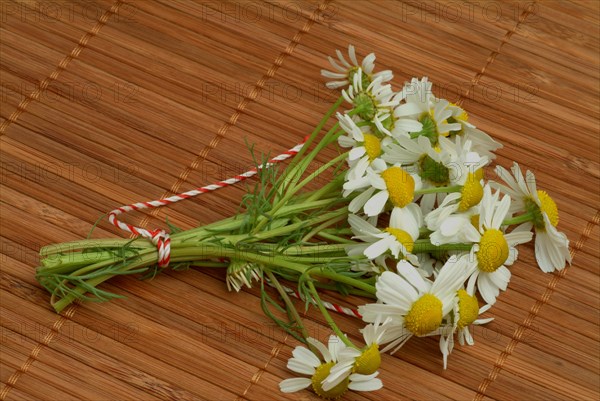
411	274
321	347
335	345
346	142
500	277
356	153
377	181
379	247
500	212
357	377
372	312
295	384
408	218
337	374
359	169
357	184
357	203
298	366
375	205
362	226
542	255
306	356
487	289
407	109
451	225
409	125
518	237
371	385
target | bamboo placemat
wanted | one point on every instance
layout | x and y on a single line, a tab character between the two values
106	103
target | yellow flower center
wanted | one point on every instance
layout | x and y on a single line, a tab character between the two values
549	207
403	237
475	221
400	185
425	315
372	146
321	374
369	361
468	309
493	250
472	192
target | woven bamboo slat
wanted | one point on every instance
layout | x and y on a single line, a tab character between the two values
107	102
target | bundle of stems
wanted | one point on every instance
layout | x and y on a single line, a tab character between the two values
281	230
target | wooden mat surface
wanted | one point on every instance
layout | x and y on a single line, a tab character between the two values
106	103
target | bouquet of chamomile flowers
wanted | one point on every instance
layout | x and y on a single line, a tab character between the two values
406	220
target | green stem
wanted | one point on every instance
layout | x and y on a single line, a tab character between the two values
324	225
145	260
194	253
433	190
518	219
292	227
312	249
297	170
424	245
327	316
334	188
288	303
352	291
339	231
294	176
318	172
94	243
334	238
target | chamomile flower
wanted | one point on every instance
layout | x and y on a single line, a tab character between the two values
398	239
551	245
394	184
241	273
369	100
364	362
397	126
345	70
366	147
305	362
414	305
466	313
432	113
493	249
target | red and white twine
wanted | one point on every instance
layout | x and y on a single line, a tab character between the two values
160	238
